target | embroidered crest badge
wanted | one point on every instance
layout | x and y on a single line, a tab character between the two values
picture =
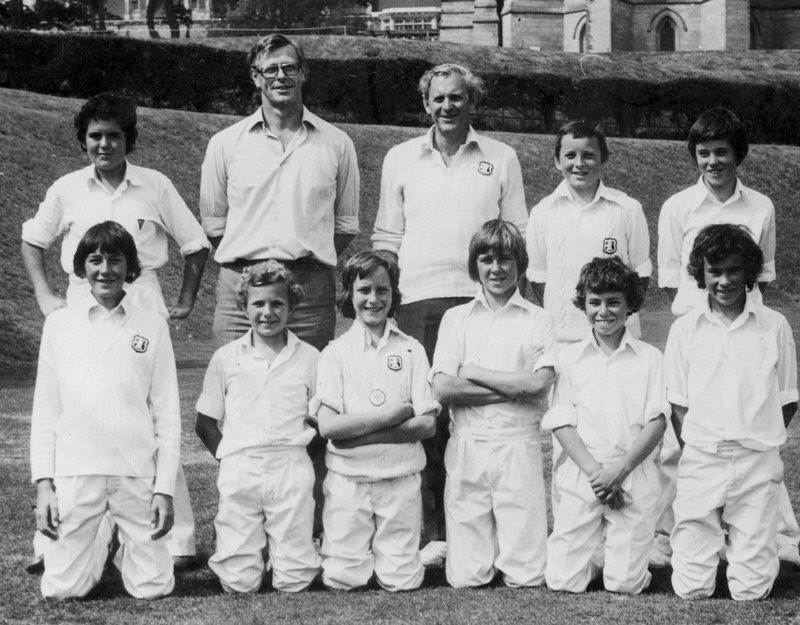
141	223
394	362
139	344
485	168
609	245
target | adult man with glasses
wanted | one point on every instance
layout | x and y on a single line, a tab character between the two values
281	184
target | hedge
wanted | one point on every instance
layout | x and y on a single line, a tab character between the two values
380	90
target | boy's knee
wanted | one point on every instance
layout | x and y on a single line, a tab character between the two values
687	588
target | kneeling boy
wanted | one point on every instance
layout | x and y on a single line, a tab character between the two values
608	413
494	365
260	385
731	375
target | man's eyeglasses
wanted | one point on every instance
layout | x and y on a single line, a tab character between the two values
271	71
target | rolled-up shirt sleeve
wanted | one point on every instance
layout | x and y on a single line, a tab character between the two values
214	189
345	208
670	239
179	221
787	364
447	356
536	246
767	245
562	412
656	403
512	198
212	398
330	383
676	367
421	393
45	227
390	223
639	242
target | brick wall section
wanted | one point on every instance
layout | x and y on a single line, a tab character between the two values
622	25
484	23
534	24
456	23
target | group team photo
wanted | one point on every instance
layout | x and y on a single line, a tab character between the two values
464	390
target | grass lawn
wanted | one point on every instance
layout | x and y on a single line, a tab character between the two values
37	145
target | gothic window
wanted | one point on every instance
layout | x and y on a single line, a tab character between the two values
667	34
582	39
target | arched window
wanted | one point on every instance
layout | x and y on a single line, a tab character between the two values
666	35
582	39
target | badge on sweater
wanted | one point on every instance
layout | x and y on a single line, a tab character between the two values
485	168
377	397
139	344
609	245
394	362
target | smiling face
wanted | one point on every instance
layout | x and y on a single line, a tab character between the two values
282	91
268	310
726	283
372	299
716	161
497	273
607	313
106	273
449	105
580	162
105	147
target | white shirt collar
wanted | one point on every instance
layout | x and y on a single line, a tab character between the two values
362	335
703	310
132	175
257	119
92	308
603	192
701	193
472	137
515	300
627	342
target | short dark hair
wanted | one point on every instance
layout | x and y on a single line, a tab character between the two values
110	238
474	83
108	106
606	274
718	124
263	274
361	265
717	242
501	236
273	42
579	130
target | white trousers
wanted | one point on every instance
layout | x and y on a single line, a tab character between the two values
265	499
146	293
181	539
372	527
737	486
788	529
581	521
74	562
495	510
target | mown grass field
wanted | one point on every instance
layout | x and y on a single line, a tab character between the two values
37	145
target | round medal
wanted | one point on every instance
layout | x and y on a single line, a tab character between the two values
377	397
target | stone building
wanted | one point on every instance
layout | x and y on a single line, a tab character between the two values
614	25
135	10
